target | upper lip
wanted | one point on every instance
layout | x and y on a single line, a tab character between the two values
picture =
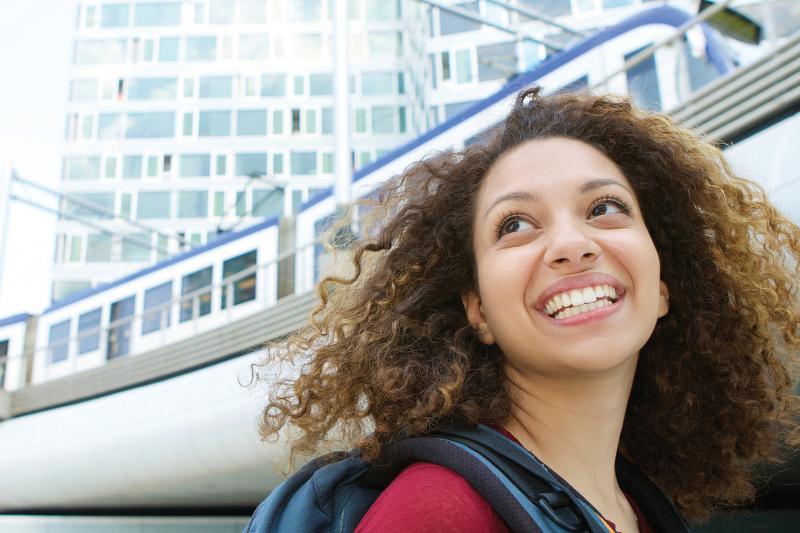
588	279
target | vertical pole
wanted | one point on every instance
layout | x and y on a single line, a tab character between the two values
341	106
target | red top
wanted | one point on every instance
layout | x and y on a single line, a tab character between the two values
429	497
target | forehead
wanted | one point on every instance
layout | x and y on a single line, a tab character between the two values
556	164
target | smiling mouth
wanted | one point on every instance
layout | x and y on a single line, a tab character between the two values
580	301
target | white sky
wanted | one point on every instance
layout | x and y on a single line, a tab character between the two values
35	54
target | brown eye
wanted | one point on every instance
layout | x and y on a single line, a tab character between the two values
609	206
513	225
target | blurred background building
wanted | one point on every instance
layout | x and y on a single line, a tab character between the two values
207	143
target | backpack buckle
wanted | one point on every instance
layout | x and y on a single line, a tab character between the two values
548	501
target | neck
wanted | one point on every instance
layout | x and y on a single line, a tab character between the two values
573	425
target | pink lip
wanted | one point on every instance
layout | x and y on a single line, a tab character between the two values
589	279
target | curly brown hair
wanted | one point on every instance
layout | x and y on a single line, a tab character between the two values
391	350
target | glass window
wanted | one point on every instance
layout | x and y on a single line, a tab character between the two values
188	88
153	89
97	52
168	48
119	330
98	248
114	15
311	121
58	341
361	120
384	44
215	123
295	120
643	82
156	313
75	248
451	110
89	331
251	164
192	204
327	120
305	45
150	125
216	86
187	130
241	201
305	10
136	248
219	203
125	204
277	163
401	83
382	119
253	11
152	166
132	166
373	83
304	163
402	116
327	163
201	48
381	9
451	23
222	165
299	85
192	165
277	121
82	167
3	361
273	85
463	66
196	294
243	287
109	126
97	204
157	14
497	61
320	84
221	12
251	122
153	205
267	202
111	167
254	47
83	91
553	8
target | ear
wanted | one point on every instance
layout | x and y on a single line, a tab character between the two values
471	301
663	299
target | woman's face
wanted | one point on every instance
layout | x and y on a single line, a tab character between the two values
568	276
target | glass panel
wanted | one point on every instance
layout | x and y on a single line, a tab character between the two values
111	167
153	205
327	121
222	165
168	48
451	110
305	45
98	248
135	249
97	52
608	4
273	85
251	164
497	61
195	165
109	126
553	8
643	82
82	167
216	86
219	203
132	166
251	122
89	331
267	202
153	89
119	332
157	14
383	44
58	341
311	121
253	11
305	10
451	23
327	163
152	166
199	303
277	121
463	66
83	91
188	124
221	12
373	83
93	204
156	313
114	15
192	204
150	125
254	47
244	288
380	9
361	120
75	248
402	116
125	204
201	48
277	163
215	123
382	119
320	84
304	163
241	201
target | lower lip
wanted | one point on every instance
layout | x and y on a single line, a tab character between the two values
583	318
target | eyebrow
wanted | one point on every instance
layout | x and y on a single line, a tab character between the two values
524	196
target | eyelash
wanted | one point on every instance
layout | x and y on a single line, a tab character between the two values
513	215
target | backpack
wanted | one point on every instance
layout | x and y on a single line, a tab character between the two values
332	493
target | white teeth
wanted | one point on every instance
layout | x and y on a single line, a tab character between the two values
593	305
557	301
588	295
576	298
613	292
600	292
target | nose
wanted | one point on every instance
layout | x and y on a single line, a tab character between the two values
569	244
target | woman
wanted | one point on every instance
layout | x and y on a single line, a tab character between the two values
595	280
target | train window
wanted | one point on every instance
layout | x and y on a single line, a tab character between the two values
196	294
89	331
58	341
119	327
157	308
235	283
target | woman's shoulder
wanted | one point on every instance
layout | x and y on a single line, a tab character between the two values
429	497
